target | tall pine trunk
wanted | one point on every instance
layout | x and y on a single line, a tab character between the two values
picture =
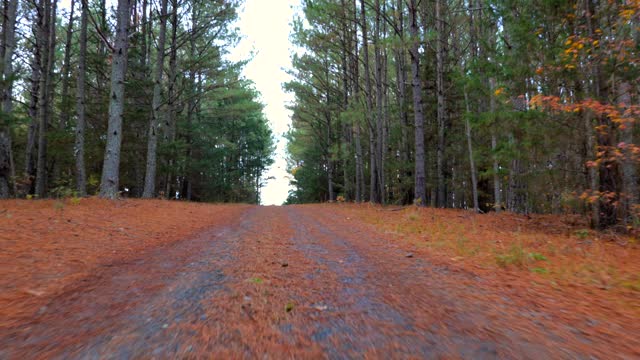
172	119
344	128
379	145
191	109
32	131
401	94
441	103
497	195
473	33
420	192
472	162
355	69
593	85
369	102
81	175
47	53
7	168
66	101
629	175
111	167
152	142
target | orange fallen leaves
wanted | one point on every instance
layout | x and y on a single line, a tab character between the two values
50	244
560	251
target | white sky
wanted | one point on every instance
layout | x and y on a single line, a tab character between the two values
265	25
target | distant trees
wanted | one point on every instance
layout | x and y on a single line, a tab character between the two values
158	111
517	105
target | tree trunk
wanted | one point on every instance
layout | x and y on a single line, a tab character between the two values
81	175
629	175
441	110
329	132
472	162
152	143
355	77
401	76
104	27
345	146
385	128
497	196
144	41
369	102
65	114
32	132
592	171
7	168
47	35
379	144
420	193
593	85
191	108
171	120
360	188
111	168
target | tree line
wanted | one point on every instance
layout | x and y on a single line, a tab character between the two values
133	98
488	105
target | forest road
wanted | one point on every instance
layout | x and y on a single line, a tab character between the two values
288	282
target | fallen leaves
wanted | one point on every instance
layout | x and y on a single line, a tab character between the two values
49	244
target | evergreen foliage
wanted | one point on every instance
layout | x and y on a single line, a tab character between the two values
214	142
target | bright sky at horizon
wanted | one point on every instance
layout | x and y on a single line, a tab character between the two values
265	27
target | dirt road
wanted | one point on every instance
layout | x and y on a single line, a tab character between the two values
283	282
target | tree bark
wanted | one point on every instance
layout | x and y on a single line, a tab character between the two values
66	101
47	34
441	100
111	169
171	120
191	108
472	162
81	175
497	196
401	79
360	186
420	193
152	142
629	171
7	168
379	144
369	102
344	128
32	132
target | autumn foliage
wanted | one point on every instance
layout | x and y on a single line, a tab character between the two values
607	56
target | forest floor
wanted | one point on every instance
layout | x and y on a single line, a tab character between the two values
92	278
